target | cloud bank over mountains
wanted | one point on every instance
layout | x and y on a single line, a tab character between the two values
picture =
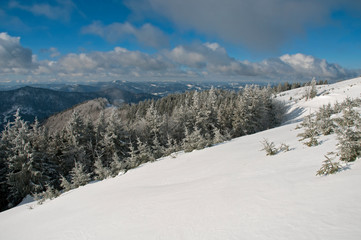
208	61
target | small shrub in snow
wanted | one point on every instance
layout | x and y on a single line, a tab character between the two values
328	167
312	142
269	147
284	147
49	193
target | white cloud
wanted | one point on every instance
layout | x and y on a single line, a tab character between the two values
147	34
304	66
118	62
188	62
13	57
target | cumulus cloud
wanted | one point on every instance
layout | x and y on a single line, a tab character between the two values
61	11
261	24
302	67
14	58
118	62
214	60
309	65
147	34
198	61
208	61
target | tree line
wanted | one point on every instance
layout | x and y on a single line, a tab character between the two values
32	161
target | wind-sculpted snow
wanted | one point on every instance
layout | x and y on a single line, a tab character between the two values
229	191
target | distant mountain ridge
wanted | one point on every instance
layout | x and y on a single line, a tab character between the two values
44	100
151	87
42	103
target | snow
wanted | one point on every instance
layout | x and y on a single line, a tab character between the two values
299	107
229	191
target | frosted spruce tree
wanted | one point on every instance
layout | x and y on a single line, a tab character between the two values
78	176
310	132
25	161
116	165
100	171
310	89
349	135
324	121
114	140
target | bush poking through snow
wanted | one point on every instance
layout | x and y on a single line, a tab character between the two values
284	147
328	167
269	147
49	193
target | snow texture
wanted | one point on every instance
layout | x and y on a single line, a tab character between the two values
229	191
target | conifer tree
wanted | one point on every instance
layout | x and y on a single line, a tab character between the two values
349	135
78	175
171	146
324	121
116	165
218	137
144	152
24	164
74	141
310	131
100	171
132	159
114	138
65	184
157	148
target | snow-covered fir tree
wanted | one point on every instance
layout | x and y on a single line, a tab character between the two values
79	177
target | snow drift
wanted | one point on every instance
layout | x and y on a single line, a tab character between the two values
229	191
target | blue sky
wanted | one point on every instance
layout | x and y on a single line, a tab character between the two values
224	40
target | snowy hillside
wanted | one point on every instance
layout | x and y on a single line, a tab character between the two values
229	191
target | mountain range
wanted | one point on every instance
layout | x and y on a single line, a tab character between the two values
41	102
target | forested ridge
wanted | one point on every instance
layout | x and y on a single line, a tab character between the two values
32	161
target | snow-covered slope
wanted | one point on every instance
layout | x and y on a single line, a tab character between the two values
229	191
337	92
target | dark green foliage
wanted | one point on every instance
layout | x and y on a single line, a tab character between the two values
129	136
